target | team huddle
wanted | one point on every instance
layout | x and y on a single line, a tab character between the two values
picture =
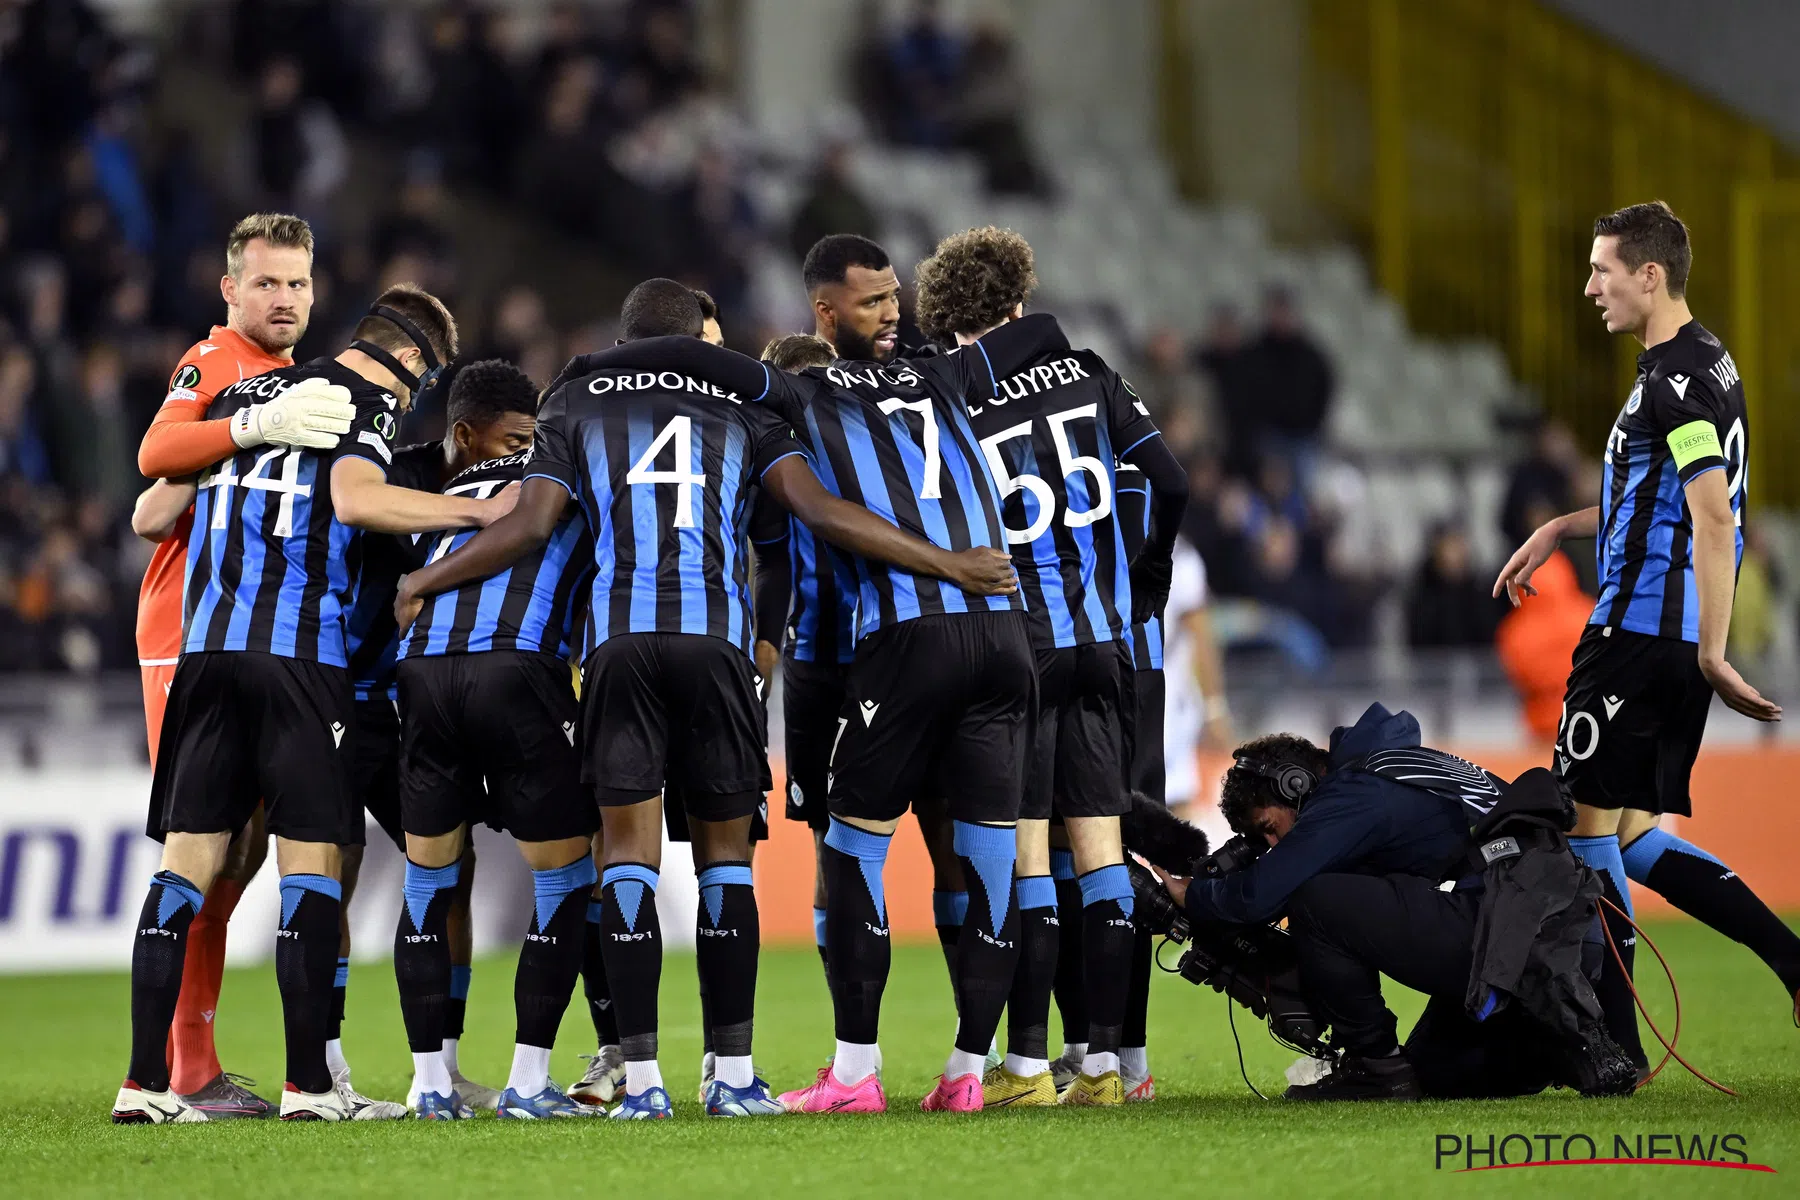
958	561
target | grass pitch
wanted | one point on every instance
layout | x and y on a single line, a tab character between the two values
63	1046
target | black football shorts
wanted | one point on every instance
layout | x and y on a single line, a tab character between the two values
243	726
675	711
1633	715
812	699
375	764
490	737
941	705
1077	766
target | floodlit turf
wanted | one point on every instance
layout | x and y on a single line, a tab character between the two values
63	1049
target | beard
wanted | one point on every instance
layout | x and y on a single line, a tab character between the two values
856	347
273	337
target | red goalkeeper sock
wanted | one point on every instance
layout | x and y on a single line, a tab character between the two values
193	1058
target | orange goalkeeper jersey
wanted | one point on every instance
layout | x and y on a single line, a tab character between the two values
167	451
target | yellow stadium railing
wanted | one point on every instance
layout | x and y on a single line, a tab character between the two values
1468	146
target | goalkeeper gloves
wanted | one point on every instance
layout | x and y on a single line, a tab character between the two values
312	414
1149	586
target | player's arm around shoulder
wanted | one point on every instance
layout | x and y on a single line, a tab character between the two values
541	502
159	508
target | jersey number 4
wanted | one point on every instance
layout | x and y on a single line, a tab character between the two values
262	476
680	431
1039	489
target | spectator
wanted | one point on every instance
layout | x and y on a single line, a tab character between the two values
23	454
989	116
1450	605
927	64
416	226
564	169
96	443
476	107
1178	396
1226	360
1293	385
832	204
717	226
297	149
1541	483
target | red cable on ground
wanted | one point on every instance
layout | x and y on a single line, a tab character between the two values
1667	1042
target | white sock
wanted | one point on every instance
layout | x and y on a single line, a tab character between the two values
964	1062
430	1074
855	1062
1074	1051
709	1065
1025	1066
334	1057
1097	1062
530	1070
450	1055
1134	1061
734	1070
640	1077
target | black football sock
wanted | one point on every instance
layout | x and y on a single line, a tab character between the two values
457	1008
593	982
819	937
1071	991
550	960
305	965
988	951
1137	996
1613	988
1108	935
157	954
948	911
340	987
631	939
1028	1005
856	933
422	954
1705	888
728	939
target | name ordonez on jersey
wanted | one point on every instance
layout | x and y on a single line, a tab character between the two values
668	381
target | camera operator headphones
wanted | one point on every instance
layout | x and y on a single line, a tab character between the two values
433	368
1293	781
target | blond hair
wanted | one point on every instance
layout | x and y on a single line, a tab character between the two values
277	229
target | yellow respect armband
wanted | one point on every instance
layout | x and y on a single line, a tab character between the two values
1695	440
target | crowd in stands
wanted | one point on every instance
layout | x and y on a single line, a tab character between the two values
608	126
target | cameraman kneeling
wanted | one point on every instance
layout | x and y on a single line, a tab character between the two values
1355	861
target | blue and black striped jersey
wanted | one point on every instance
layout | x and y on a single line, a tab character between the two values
1134	526
896	439
1051	434
270	567
532	605
1685	417
820	624
663	466
372	636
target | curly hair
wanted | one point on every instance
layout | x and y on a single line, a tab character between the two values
795	352
1245	793
487	390
973	281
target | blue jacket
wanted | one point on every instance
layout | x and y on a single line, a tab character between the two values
1353	823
